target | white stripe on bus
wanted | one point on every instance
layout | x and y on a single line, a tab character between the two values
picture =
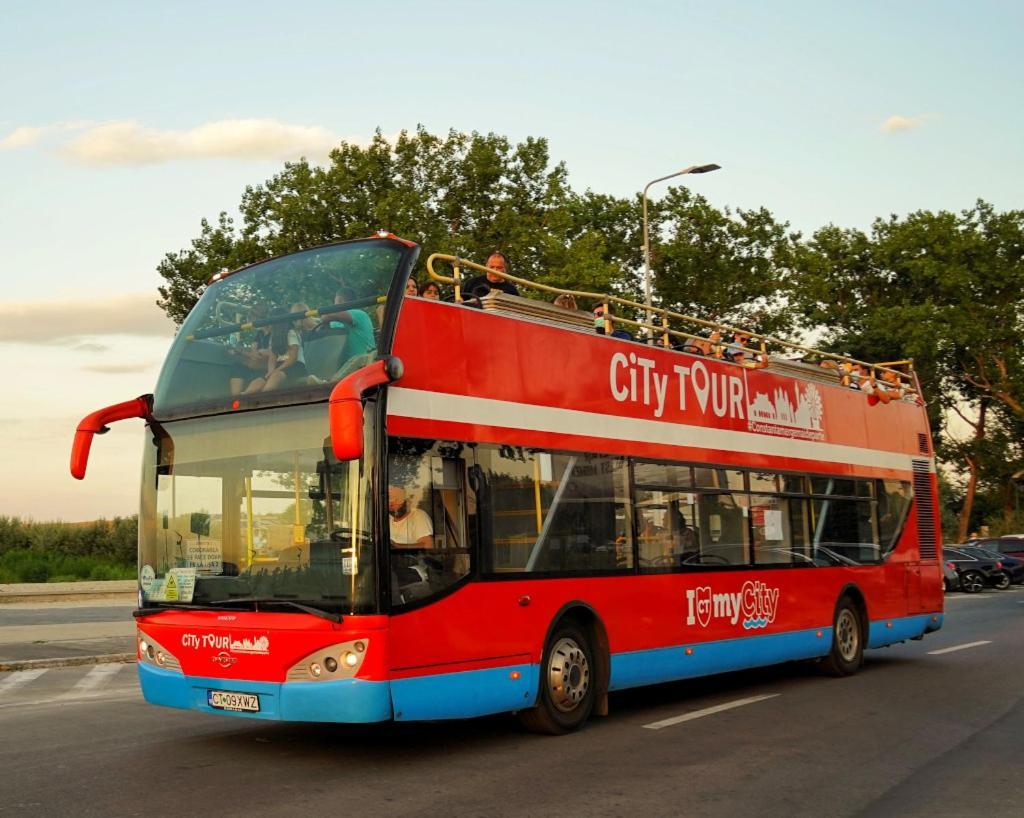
421	404
707	711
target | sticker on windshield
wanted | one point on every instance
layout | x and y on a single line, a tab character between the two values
146	577
182	583
178	586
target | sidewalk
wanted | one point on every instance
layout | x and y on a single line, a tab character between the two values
91	623
68	591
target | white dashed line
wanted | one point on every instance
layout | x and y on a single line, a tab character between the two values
18	678
707	711
94	678
960	647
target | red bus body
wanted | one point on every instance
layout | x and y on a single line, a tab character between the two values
479	377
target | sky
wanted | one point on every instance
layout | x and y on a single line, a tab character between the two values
124	124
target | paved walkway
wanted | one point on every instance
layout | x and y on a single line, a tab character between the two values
74	631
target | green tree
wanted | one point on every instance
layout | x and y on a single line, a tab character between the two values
723	265
946	289
466	194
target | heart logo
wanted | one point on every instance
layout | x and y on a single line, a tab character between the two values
703	601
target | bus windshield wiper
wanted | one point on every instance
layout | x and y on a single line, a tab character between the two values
256	601
177	607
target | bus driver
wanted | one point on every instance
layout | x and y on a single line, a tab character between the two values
410	527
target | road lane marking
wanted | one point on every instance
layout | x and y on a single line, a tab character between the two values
99	675
18	678
960	647
969	596
707	711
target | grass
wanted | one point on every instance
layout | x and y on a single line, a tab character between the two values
28	565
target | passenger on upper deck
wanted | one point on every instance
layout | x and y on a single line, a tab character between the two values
412	287
566	302
354	323
481	285
287	362
251	358
737	351
431	290
599	324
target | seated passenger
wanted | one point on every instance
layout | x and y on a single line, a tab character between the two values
286	364
306	325
431	290
412	287
599	324
481	285
410	527
355	324
737	351
566	302
251	358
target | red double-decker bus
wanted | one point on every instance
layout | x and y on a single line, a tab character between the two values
451	509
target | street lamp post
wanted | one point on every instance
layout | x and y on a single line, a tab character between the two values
647	240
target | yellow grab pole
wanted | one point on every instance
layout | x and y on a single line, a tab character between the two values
536	493
248	520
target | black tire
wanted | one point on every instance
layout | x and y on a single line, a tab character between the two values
1001	581
972	582
567	683
847	652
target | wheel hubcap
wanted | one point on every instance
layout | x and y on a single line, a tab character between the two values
568	675
847	635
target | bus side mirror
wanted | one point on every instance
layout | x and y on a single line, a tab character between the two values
96	424
346	405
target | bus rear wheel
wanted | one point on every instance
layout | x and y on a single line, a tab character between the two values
847	653
567	684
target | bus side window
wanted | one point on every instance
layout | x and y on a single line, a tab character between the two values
553	513
430	545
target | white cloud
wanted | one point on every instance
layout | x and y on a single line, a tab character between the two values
63	321
122	368
23	137
28	136
902	123
129	143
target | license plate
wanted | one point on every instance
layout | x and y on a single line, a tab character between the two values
226	700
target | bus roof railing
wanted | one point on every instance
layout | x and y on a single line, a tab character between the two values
843	363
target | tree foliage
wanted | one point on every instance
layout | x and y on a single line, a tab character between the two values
943	288
466	194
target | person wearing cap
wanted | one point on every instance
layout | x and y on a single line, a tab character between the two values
481	285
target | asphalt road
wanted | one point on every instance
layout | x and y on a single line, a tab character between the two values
914	734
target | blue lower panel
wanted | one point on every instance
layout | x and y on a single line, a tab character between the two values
343	700
644	667
888	631
466	694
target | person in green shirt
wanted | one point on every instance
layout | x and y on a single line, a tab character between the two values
356	324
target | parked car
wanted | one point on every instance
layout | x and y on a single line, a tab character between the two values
950	577
974	572
1012	566
1011	544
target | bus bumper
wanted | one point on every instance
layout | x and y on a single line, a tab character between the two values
341	700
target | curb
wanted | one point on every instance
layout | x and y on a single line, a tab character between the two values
70	661
120	590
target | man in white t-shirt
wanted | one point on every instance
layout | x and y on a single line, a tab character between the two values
410	527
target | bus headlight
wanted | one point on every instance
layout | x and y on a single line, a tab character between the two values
341	661
152	652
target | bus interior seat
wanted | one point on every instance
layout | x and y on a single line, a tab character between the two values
323	355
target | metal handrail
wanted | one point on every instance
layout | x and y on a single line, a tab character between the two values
718	347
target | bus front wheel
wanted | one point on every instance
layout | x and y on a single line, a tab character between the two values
567	684
847	653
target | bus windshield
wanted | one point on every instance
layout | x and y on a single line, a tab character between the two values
281	328
253	506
